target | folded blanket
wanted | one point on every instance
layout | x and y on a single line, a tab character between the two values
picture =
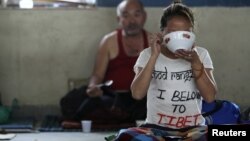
197	133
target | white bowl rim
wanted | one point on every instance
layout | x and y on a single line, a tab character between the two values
171	35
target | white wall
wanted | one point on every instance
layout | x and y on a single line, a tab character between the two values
41	49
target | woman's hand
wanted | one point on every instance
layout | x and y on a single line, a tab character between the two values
191	56
155	44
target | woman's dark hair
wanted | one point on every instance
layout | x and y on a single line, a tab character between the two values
176	9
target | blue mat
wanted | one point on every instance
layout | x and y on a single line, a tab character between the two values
52	123
19	125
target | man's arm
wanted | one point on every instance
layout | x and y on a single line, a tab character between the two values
100	67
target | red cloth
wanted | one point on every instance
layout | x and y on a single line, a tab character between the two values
120	69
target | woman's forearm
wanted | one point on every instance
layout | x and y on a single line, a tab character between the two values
206	84
142	79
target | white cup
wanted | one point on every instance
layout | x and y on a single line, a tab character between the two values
86	126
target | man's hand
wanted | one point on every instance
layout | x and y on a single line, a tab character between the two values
94	91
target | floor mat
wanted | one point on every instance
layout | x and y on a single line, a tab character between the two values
53	123
24	124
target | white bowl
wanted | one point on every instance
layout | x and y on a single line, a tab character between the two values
179	40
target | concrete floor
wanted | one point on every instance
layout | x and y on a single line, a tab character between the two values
62	136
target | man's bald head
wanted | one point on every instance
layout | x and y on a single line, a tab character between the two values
123	4
131	17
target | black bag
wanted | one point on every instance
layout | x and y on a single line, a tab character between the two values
71	102
76	104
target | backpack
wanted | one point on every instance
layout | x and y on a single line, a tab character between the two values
221	112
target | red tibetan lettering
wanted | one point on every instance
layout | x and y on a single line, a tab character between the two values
179	122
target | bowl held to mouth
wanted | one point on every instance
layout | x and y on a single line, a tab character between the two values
179	40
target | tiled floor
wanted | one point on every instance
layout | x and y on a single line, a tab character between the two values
62	136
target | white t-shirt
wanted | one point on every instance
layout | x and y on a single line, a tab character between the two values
172	99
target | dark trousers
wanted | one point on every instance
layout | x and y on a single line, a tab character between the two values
111	107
